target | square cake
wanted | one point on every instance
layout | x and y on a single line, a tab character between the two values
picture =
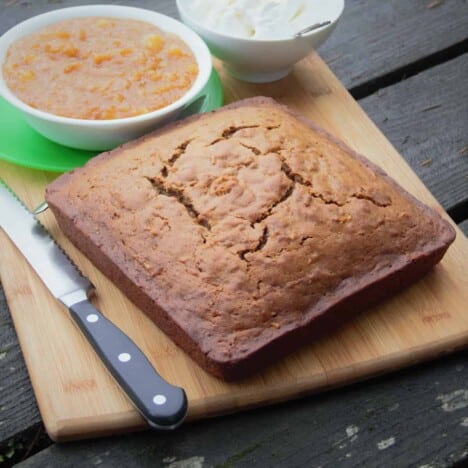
246	232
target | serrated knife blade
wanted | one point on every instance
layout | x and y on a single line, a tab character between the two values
50	262
161	404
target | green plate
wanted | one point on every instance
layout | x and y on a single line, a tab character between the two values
20	144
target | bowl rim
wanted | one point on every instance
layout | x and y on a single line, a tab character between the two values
35	23
202	27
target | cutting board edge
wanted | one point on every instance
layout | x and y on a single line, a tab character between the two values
64	430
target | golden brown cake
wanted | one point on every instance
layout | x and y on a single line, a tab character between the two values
246	232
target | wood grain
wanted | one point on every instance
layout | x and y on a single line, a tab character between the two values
436	102
77	398
12	12
375	38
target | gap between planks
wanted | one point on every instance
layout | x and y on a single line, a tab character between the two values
395	76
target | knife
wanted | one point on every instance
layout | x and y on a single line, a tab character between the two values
161	404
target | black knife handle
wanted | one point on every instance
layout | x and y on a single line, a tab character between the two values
161	404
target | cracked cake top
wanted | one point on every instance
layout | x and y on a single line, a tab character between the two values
244	223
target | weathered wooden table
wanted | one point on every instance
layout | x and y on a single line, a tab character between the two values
406	62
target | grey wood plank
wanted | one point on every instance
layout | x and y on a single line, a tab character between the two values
14	11
464	227
375	38
412	418
21	428
18	409
426	119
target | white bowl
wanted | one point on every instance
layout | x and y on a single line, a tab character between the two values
104	134
257	60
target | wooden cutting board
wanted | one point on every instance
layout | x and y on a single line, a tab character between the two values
78	399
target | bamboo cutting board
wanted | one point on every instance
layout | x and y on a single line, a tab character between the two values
78	399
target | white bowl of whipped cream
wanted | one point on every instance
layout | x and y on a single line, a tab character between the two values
256	40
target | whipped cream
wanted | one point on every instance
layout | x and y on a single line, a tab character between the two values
254	19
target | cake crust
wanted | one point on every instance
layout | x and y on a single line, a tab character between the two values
247	232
